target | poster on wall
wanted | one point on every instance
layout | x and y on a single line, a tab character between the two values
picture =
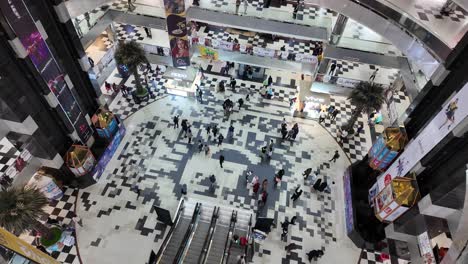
177	30
208	53
452	113
21	22
349	216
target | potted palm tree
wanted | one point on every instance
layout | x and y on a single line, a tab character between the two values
132	55
20	211
366	97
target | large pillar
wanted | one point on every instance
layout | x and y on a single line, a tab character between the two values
338	29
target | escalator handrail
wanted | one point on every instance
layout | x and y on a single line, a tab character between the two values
164	244
209	237
186	240
248	258
227	245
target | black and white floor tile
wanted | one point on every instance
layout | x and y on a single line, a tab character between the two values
431	11
8	155
63	211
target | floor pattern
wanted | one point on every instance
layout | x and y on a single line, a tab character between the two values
362	71
8	155
428	12
158	159
63	211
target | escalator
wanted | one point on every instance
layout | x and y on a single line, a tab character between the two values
242	228
175	242
221	235
203	233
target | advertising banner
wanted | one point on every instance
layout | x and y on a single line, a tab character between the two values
452	113
349	216
425	246
208	53
225	45
108	153
347	82
177	30
21	22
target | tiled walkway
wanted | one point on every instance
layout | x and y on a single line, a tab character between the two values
122	229
63	211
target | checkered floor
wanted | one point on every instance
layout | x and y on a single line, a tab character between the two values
124	106
129	32
8	154
370	257
428	12
62	210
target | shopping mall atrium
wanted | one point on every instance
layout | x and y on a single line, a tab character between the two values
233	131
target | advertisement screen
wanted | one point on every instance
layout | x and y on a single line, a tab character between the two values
349	216
23	25
453	112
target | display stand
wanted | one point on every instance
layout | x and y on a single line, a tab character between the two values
105	123
79	160
396	198
387	147
182	82
46	184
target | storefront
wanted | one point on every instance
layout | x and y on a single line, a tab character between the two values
182	82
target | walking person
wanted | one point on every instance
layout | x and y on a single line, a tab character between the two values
200	146
372	77
314	254
317	183
359	129
334	114
221	160
295	130
220	139
307	173
136	190
231	131
291	246
233	84
212	183
77	220
264	184
297	193
215	130
206	148
322	116
175	120
332	68
284	133
296	9
263	198
199	94
189	135
240	102
238	2
246	4
148	32
255	186
335	156
208	130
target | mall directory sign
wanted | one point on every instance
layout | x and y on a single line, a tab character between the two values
454	111
24	26
177	30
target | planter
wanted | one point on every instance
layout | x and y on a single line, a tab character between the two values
140	97
55	235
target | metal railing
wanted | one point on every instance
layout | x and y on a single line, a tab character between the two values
209	236
164	244
179	258
227	245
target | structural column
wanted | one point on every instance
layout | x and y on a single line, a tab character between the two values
338	29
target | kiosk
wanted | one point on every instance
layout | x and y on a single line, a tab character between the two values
182	82
105	123
79	160
387	147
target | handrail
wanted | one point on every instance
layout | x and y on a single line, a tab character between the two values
164	244
209	237
188	235
227	245
249	230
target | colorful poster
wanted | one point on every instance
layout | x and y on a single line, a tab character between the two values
425	247
348	199
452	113
208	53
177	30
21	22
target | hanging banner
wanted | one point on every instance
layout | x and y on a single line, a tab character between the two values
22	23
452	113
177	30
